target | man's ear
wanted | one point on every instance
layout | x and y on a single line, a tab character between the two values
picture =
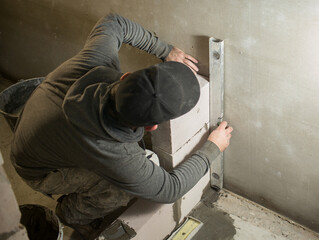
151	128
125	75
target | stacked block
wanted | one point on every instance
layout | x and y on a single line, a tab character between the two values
174	141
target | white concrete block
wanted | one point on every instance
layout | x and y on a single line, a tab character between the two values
191	198
171	135
150	220
9	210
169	161
156	221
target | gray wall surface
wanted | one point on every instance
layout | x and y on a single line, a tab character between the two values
271	77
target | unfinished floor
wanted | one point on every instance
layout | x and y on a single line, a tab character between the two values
234	217
225	215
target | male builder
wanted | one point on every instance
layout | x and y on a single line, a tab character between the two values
78	133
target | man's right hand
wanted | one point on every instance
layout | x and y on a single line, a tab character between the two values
221	136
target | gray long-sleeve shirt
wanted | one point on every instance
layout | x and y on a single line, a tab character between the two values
67	123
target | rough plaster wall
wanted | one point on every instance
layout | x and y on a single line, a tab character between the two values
271	75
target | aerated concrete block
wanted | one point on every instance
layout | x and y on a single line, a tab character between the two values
191	198
155	221
9	210
172	135
150	220
169	161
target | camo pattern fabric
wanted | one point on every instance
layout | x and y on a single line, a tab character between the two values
88	196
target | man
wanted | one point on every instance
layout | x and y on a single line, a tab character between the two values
78	133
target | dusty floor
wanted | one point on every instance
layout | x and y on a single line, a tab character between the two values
225	215
234	217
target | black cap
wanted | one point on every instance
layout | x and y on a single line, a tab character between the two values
156	94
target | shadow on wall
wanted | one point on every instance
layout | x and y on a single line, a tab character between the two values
138	59
202	54
133	59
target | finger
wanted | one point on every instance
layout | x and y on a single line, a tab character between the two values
229	136
191	64
195	73
229	129
191	58
223	125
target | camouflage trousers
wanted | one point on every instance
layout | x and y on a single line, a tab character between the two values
88	196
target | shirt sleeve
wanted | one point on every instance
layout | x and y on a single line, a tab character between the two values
142	178
113	30
103	44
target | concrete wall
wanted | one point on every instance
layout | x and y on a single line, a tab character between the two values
10	227
271	75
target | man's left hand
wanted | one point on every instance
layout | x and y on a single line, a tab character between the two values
178	55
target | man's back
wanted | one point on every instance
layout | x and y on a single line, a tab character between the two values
56	130
43	139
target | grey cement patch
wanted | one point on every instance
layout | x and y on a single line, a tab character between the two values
218	225
209	197
252	221
177	211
